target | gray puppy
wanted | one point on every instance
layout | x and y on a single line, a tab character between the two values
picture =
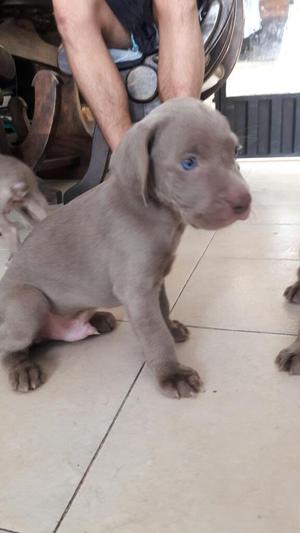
18	191
116	243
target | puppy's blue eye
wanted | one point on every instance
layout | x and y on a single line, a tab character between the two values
189	163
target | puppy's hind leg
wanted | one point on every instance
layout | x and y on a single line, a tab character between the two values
103	322
24	310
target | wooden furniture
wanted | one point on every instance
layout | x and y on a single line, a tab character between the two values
52	137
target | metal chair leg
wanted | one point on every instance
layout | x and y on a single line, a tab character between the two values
96	170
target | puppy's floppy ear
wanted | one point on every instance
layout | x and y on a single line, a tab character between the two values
131	160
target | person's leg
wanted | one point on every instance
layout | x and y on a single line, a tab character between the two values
114	34
181	52
87	30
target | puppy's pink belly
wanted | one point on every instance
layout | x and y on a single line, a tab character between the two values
61	328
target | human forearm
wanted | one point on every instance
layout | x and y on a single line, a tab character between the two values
96	75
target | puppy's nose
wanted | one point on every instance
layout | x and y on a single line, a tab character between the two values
241	204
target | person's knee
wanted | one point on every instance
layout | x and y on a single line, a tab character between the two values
67	20
71	21
175	9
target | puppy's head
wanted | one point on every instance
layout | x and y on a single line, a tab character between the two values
183	156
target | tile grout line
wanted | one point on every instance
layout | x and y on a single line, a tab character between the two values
236	258
70	502
211	328
8	530
189	277
273	223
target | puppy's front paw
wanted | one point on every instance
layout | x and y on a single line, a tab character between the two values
289	359
25	376
179	381
292	293
180	332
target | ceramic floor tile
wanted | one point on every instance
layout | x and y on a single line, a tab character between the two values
275	214
50	435
61	184
275	188
282	173
224	462
241	294
272	193
256	241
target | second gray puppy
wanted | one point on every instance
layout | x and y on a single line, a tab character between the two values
18	191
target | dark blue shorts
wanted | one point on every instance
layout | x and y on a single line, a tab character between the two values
137	17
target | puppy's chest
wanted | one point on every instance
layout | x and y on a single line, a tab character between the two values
161	270
167	267
168	254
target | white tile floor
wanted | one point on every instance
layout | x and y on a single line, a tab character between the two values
98	450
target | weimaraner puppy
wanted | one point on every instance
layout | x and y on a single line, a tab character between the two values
116	243
289	358
18	191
